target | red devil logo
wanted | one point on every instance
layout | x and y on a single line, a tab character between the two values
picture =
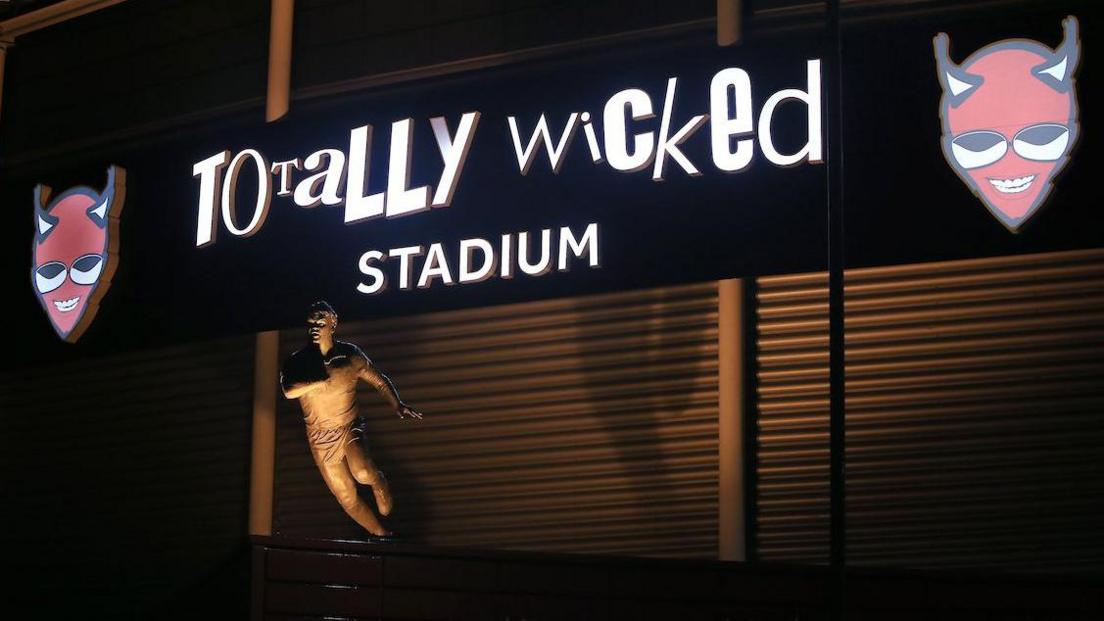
1010	120
76	251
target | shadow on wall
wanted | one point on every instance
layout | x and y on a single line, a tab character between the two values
665	358
572	425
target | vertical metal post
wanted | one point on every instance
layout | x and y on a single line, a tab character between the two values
265	365
730	423
263	459
728	22
836	368
279	59
4	43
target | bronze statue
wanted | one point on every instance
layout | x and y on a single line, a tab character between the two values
323	376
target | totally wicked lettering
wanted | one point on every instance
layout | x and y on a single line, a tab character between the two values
621	137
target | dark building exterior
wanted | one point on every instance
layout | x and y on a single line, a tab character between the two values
622	336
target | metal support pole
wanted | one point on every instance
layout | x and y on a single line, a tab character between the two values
263	459
836	352
729	22
4	43
265	365
279	59
730	423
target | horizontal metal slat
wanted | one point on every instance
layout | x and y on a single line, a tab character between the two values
973	390
565	425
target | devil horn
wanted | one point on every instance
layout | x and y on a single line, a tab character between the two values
109	189
111	192
1069	29
957	84
942	45
1058	70
44	222
41	196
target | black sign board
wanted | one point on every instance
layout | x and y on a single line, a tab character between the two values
662	163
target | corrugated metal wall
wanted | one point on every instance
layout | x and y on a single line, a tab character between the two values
572	425
130	470
975	414
792	447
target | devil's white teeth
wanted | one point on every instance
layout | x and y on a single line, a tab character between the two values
67	305
1014	185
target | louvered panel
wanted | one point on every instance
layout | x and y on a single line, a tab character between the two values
127	469
975	403
574	425
792	422
975	414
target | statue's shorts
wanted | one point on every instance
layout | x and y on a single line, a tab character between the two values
328	443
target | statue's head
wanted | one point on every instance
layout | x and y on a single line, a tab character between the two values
321	322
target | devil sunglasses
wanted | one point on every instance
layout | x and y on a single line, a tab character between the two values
1045	142
84	271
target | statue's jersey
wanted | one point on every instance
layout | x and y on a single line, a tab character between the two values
330	409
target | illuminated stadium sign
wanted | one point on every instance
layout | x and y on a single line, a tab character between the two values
617	138
629	166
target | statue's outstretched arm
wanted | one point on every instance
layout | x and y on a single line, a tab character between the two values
385	387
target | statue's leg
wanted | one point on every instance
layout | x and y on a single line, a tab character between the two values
365	471
341	483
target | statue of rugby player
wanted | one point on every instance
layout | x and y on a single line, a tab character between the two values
324	376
